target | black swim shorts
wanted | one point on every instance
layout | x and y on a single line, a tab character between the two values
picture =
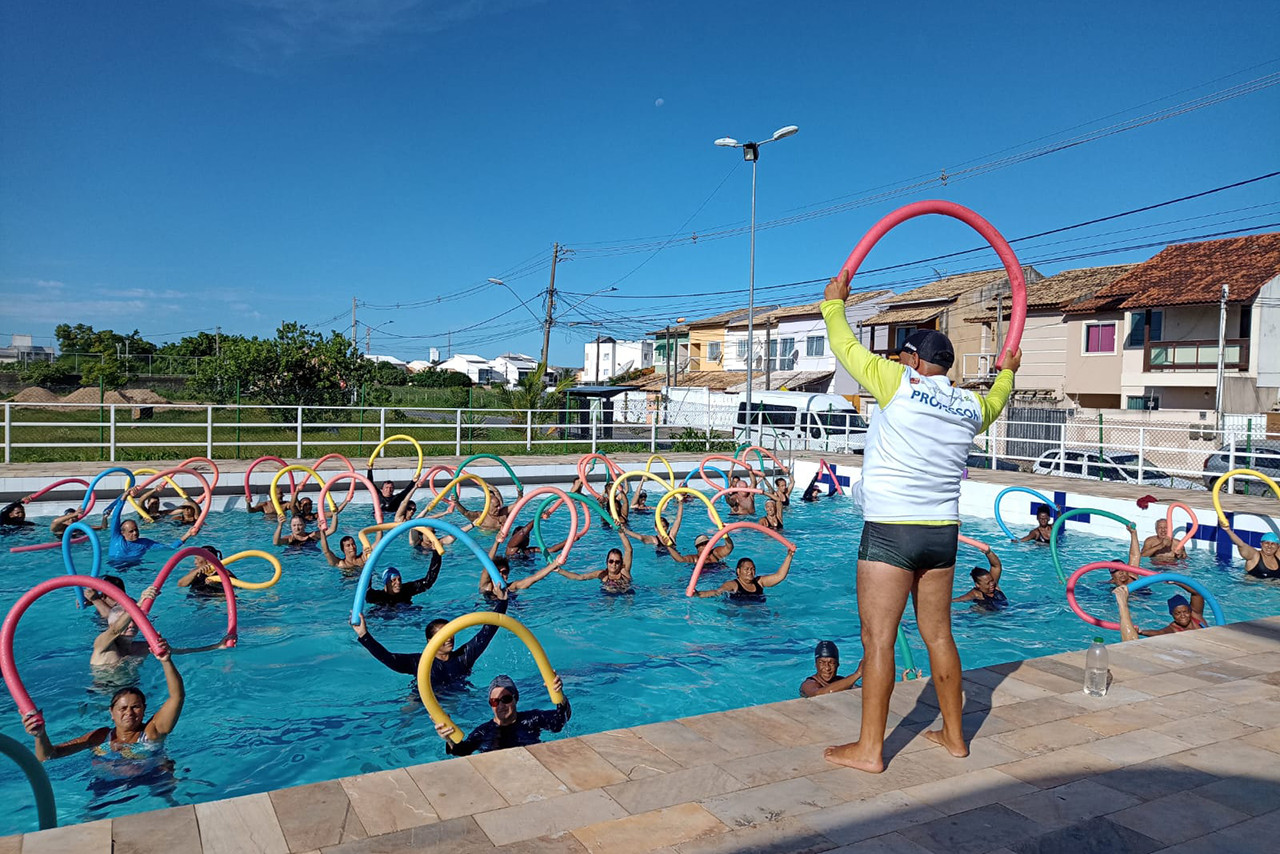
913	547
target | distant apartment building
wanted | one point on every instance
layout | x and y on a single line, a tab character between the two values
604	358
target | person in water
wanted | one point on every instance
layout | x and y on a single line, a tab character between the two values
106	606
352	557
396	591
203	579
986	590
14	516
388	499
1043	530
494	519
782	487
1120	577
811	491
772	517
616	575
504	569
509	727
1262	562
716	559
1186	615
655	539
451	666
69	517
826	678
742	503
745	586
915	456
298	534
1161	548
129	738
640	504
127	545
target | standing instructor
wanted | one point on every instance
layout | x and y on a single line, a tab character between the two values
910	495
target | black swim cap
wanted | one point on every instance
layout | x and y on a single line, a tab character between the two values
826	649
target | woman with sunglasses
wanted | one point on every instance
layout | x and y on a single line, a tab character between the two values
509	727
615	578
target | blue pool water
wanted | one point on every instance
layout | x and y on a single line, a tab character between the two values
299	701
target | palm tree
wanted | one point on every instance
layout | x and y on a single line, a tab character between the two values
533	394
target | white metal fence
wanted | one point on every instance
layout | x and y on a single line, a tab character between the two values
1094	447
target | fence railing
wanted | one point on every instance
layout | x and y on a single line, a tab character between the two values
1188	455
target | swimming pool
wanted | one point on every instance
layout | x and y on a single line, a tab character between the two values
299	701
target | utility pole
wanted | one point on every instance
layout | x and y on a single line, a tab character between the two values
598	336
1222	344
367	332
551	303
353	323
768	355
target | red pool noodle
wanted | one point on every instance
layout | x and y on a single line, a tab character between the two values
9	668
1017	284
721	534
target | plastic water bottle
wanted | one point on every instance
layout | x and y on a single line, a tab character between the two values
1095	669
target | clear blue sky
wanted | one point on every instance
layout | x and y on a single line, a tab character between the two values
176	166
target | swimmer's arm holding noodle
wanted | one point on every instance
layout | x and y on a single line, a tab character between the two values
775	578
882	376
1248	553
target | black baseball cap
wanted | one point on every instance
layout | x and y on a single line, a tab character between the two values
931	346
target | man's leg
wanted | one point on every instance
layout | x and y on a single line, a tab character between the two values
931	594
882	596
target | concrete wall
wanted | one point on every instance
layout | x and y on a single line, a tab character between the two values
1044	354
1265	354
698	357
616	357
1093	373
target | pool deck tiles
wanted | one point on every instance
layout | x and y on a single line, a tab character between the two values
1182	756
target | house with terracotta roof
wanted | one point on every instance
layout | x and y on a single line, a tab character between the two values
792	348
1046	337
1152	339
943	305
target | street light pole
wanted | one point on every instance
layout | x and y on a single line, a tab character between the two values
751	152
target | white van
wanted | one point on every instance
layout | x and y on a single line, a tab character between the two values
800	420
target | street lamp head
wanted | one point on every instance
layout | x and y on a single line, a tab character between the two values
496	281
679	320
727	142
789	130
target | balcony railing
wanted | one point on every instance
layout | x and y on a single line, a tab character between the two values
978	366
1195	355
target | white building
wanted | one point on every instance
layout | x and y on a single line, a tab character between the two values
513	367
390	360
481	371
793	339
605	358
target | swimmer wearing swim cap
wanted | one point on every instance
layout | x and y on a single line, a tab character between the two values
396	591
1262	562
509	727
826	678
915	456
1186	615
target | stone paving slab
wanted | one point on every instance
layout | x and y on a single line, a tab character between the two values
1182	755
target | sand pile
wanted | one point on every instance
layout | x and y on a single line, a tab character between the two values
35	394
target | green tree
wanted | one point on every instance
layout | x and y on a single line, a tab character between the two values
297	367
532	393
385	373
82	338
45	374
432	378
111	372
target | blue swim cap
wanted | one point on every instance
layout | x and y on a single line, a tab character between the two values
1175	601
388	574
1270	538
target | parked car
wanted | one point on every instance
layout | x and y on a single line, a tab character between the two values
1113	467
981	459
1262	457
805	420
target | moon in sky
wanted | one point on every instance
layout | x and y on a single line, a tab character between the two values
659	102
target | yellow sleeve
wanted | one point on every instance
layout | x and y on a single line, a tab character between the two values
993	402
876	374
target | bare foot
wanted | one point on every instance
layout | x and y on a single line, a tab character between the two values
854	755
956	748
